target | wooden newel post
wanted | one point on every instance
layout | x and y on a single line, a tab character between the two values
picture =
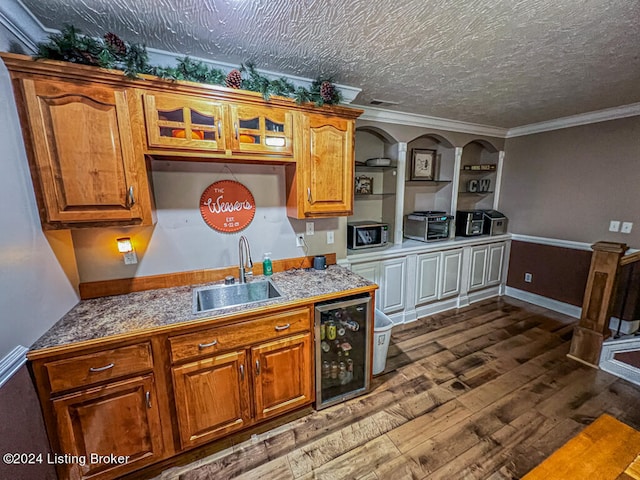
593	328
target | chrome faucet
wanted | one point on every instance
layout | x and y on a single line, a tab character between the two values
243	249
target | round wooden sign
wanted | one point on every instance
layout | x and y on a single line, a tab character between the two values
227	206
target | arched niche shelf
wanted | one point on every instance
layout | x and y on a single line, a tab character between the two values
375	186
479	168
429	192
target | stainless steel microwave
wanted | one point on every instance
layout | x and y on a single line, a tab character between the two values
367	235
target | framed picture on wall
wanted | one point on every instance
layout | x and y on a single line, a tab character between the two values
423	164
364	185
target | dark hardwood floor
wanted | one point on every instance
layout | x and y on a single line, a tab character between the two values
484	392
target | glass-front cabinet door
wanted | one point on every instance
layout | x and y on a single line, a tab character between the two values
261	130
181	122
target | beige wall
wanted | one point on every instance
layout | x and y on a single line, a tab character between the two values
568	184
37	271
182	241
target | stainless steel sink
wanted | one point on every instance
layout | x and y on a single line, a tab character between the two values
206	299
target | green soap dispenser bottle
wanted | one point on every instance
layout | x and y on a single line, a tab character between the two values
267	267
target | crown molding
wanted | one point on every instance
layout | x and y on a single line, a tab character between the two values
19	20
425	121
22	24
597	116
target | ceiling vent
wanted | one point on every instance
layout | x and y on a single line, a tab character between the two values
383	103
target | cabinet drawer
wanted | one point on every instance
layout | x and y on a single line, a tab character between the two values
100	366
238	335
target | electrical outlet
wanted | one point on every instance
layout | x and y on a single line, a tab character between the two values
130	258
330	237
614	226
626	227
528	277
309	228
300	240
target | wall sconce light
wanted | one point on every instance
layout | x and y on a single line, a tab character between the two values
126	247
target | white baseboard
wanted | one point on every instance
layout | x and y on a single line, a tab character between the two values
483	294
620	369
545	302
12	362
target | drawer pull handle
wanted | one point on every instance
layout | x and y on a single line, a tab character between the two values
202	346
280	328
235	126
242	372
219	129
309	197
102	369
147	397
257	367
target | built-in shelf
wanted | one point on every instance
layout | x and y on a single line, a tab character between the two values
427	183
476	193
366	168
363	196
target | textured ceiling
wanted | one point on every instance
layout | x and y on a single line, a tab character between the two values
495	62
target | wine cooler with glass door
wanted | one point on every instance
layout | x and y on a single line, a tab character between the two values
343	337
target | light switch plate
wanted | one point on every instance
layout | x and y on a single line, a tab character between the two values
130	258
330	238
310	228
626	227
614	226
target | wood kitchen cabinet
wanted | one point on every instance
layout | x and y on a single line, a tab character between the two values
119	419
85	165
282	379
322	184
226	129
243	373
212	397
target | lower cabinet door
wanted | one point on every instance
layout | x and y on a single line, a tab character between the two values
427	277
478	275
494	263
108	430
282	372
392	284
212	397
451	271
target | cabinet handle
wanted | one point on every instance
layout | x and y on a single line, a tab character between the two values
235	126
102	369
219	129
147	397
257	367
202	346
131	200
242	372
280	328
309	197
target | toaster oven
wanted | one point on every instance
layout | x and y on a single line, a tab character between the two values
427	226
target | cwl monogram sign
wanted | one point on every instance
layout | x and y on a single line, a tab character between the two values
227	206
479	186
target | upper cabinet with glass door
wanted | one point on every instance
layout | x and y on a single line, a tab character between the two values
184	123
261	130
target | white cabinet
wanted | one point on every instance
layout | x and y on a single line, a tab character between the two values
427	281
486	265
438	275
450	273
390	277
393	278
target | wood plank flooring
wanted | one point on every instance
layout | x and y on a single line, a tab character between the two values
484	392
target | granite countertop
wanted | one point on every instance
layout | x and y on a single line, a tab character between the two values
135	312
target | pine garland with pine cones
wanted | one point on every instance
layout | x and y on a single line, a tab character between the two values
112	52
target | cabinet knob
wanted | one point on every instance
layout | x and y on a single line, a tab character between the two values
147	397
309	197
257	367
242	372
